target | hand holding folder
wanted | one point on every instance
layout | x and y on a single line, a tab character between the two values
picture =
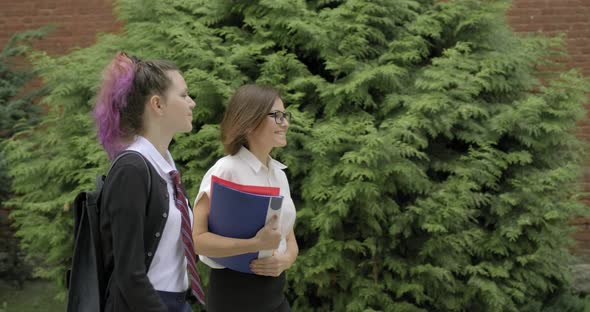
269	236
240	211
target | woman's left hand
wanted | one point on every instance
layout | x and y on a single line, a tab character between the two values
271	266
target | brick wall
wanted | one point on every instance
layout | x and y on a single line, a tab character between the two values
571	17
551	17
78	21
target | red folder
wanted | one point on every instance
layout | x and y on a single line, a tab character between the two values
252	189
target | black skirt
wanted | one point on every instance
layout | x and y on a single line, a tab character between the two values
235	291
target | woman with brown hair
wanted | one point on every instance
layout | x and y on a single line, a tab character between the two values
255	122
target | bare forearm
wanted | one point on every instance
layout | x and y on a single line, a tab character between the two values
292	248
213	245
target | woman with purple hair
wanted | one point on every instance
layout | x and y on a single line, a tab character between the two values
145	219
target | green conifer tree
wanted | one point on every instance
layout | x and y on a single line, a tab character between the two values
432	168
17	106
18	110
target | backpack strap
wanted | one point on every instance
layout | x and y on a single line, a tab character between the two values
100	179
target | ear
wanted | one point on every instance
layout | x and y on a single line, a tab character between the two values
155	104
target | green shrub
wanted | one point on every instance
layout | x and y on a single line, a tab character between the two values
431	168
18	110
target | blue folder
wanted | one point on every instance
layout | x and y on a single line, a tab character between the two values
238	214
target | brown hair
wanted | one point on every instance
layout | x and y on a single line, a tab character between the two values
150	79
245	111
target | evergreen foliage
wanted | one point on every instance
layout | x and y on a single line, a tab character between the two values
17	109
431	168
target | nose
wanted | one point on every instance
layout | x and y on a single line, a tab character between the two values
192	103
284	123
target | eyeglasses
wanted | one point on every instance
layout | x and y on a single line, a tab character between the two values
280	117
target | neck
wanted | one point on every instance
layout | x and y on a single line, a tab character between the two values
262	154
158	139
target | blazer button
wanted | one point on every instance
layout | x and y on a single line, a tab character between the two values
150	254
164	215
166	195
157	234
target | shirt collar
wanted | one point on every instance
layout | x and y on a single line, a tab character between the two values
147	149
255	164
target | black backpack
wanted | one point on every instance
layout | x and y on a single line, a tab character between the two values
86	280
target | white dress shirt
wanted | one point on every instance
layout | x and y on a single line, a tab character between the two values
245	168
167	271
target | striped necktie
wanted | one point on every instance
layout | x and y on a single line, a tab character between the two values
187	238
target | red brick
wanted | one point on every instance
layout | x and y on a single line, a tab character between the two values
577	32
580	221
529	4
519	20
46	5
582	234
16	10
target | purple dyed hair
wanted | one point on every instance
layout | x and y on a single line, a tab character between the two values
112	99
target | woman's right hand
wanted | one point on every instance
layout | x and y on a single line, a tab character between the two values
269	236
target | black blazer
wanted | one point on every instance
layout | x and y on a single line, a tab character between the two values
131	225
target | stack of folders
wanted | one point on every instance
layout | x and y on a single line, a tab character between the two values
240	211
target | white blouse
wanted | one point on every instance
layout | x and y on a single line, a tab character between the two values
245	168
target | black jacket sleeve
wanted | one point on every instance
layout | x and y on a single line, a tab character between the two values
126	199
